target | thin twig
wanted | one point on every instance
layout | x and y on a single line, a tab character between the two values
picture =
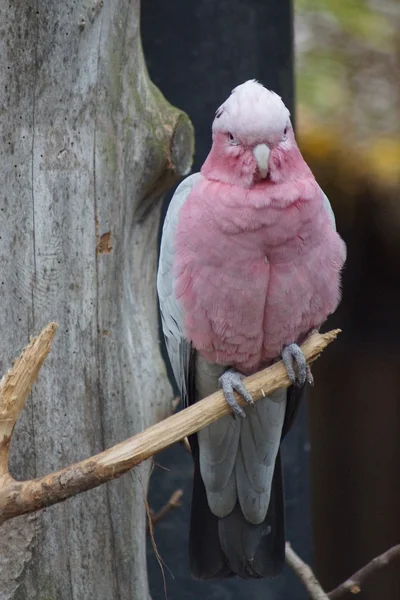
173	502
21	497
175	403
354	583
305	574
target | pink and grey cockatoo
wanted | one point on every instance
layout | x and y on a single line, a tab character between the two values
249	265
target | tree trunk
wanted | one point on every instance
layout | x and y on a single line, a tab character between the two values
88	145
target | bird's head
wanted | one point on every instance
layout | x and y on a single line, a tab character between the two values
253	140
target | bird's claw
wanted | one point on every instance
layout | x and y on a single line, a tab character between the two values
231	381
292	355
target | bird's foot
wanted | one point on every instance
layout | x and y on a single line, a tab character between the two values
232	380
292	357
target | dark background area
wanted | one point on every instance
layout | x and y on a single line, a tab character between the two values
196	54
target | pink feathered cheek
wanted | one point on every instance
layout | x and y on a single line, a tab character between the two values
275	159
241	160
245	163
232	153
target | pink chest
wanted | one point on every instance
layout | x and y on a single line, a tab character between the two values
252	281
302	292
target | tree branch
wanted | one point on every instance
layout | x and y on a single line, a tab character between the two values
21	497
305	574
353	584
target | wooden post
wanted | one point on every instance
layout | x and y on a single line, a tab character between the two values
87	147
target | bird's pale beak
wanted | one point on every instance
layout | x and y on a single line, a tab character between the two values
261	154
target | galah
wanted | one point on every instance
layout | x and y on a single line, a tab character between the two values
250	264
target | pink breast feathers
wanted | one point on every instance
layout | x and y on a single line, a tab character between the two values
252	276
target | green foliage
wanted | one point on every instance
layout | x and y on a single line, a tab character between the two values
356	18
348	59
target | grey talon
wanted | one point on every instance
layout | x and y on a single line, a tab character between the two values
232	380
293	355
288	362
240	388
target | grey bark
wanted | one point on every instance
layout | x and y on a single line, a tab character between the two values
87	146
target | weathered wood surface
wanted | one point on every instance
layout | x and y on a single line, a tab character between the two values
87	146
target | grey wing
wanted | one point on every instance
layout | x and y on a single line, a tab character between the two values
259	444
218	444
178	347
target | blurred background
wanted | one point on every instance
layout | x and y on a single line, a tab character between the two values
348	124
343	495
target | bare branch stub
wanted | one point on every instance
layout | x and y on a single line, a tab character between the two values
21	497
15	387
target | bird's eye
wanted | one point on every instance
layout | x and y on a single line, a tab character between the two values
285	131
232	139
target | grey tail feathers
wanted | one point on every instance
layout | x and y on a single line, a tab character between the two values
220	548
